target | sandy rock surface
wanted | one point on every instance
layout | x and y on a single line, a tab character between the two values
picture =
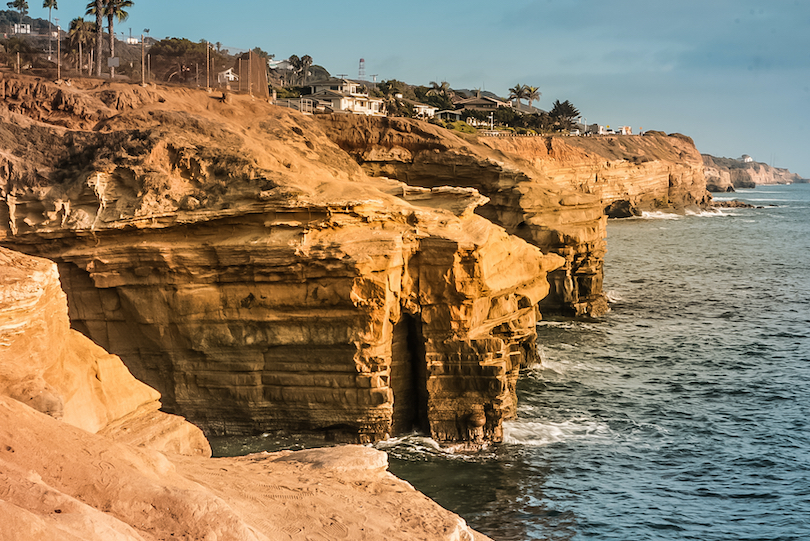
85	455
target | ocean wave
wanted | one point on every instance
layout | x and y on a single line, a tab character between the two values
613	296
567	325
537	434
547	366
659	215
708	213
417	446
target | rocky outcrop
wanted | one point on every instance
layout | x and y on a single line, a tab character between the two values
58	371
725	174
550	191
244	265
718	177
63	477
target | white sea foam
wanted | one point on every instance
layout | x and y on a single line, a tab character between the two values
415	444
613	296
567	325
547	365
659	215
536	434
709	213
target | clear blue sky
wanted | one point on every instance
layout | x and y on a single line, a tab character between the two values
733	74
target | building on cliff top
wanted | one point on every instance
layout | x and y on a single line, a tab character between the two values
345	95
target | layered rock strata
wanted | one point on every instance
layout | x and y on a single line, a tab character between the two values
58	371
84	456
551	191
244	265
726	174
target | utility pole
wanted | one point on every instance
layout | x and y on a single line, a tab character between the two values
240	74
58	53
207	74
250	73
143	63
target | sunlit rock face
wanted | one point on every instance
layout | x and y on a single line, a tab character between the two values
86	455
726	174
57	371
550	191
245	266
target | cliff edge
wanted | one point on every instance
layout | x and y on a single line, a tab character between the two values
241	263
85	455
554	192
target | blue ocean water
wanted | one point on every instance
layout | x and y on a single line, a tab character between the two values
682	414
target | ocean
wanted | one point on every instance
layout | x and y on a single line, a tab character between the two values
682	414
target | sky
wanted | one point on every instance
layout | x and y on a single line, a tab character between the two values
732	74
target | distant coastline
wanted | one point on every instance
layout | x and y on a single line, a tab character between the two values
729	174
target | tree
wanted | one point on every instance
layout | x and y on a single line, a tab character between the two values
441	89
98	10
306	62
177	59
563	115
80	33
21	6
518	92
533	94
112	9
51	5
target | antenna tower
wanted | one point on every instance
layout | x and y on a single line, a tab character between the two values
361	74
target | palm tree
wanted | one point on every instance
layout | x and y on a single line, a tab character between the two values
533	94
306	62
21	6
51	5
81	32
517	93
98	10
440	89
113	9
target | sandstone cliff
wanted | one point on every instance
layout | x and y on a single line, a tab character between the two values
725	174
550	191
109	469
244	265
58	371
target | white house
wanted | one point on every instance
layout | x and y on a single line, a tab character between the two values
422	110
345	95
451	115
227	76
596	129
279	64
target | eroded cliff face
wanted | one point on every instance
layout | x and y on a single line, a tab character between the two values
550	191
245	266
85	455
58	371
725	174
